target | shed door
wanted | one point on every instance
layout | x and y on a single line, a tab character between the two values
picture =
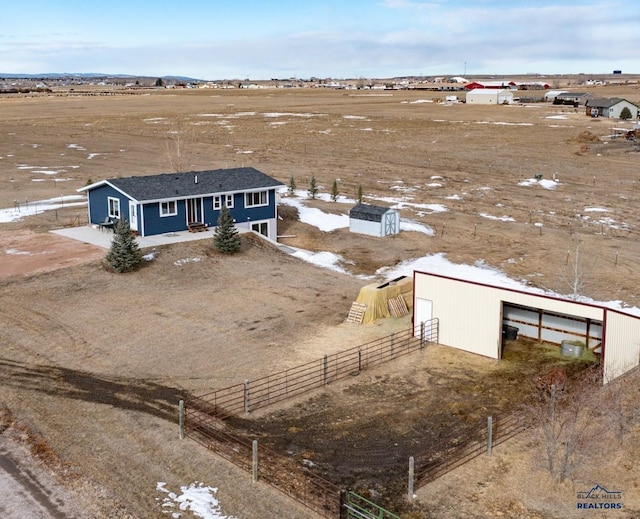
133	216
423	312
389	223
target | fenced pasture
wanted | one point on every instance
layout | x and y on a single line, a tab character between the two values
374	450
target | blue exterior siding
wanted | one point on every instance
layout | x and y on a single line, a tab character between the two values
150	222
99	206
156	224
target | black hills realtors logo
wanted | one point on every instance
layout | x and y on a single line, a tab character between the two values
599	498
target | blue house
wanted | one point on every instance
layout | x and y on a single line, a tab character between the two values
172	202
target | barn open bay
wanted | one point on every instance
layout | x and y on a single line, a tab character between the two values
479	164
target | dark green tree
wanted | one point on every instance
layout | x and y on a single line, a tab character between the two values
226	238
125	254
313	188
625	114
334	191
292	185
160	83
359	195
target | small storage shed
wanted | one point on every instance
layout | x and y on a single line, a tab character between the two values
374	220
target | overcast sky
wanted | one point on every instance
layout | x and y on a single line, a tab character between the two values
263	39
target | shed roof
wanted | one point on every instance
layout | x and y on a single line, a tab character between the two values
194	183
371	213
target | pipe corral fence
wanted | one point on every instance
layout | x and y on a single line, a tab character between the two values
204	421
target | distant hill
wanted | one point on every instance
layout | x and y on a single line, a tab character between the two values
92	76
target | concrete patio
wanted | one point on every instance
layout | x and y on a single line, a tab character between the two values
103	238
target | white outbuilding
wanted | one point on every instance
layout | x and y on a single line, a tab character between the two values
489	96
374	220
474	317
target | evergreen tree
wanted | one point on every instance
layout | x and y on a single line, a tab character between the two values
359	196
625	114
226	238
292	185
125	254
313	188
334	191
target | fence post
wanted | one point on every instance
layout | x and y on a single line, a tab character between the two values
411	475
325	367
422	335
255	461
359	361
181	418
393	336
247	406
489	434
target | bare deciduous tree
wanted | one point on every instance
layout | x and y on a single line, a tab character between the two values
575	276
578	424
180	139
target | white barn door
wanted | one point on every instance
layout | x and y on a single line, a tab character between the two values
423	312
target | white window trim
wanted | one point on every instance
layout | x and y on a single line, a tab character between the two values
219	199
260	223
115	203
247	200
168	213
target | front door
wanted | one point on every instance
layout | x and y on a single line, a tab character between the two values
133	216
194	210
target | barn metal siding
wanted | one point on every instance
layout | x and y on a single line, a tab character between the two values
470	318
541	324
469	314
622	344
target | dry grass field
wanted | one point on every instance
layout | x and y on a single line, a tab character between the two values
93	363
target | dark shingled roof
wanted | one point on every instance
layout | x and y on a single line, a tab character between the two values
371	213
194	183
606	102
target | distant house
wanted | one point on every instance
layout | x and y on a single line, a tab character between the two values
374	220
552	94
612	107
173	202
489	96
572	98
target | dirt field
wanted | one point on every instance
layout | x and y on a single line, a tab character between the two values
94	363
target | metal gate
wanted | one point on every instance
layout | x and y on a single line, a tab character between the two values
357	507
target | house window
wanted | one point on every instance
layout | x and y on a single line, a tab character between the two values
114	207
256	199
261	228
169	208
217	201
